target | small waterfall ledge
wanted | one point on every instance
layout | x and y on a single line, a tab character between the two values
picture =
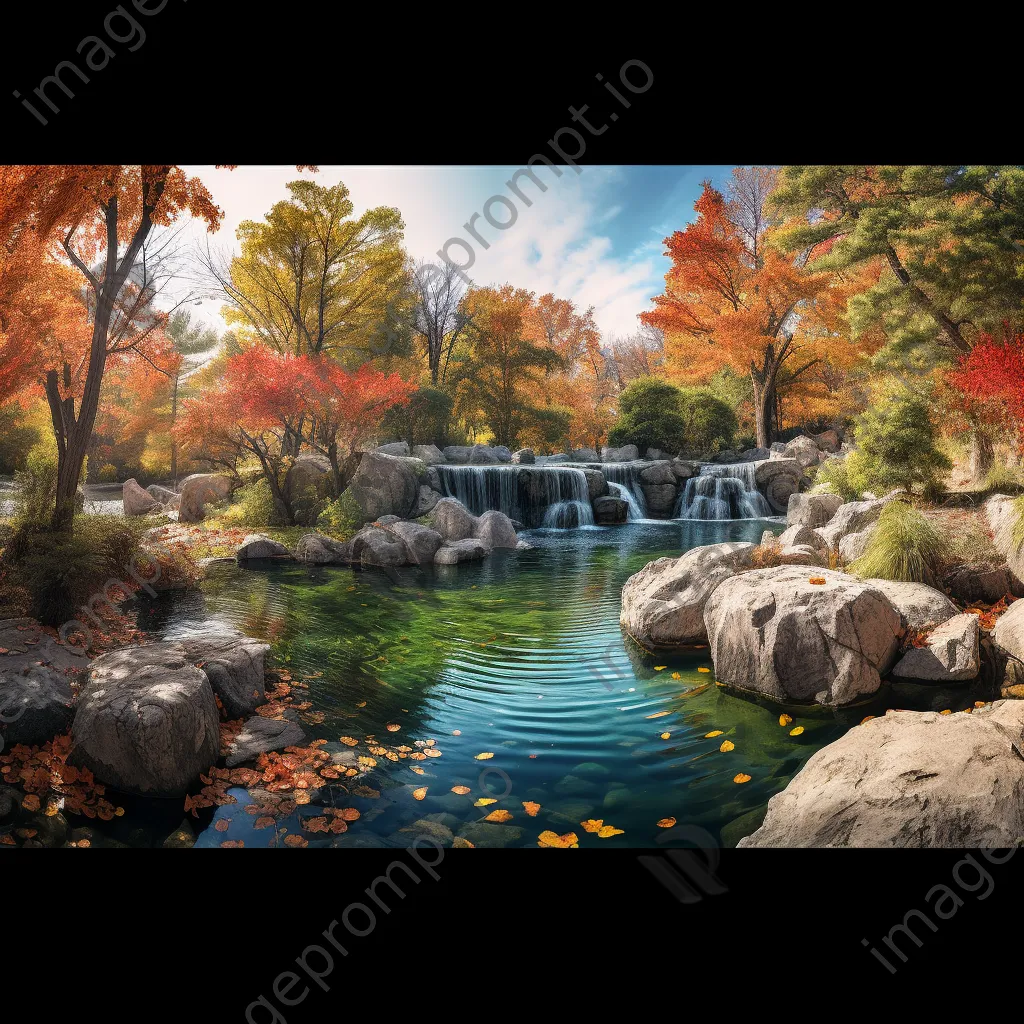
720	492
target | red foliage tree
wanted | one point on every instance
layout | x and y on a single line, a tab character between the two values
993	374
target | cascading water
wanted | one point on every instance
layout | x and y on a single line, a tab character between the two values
624	482
556	496
723	492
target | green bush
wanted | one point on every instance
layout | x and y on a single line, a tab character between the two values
15	439
342	517
425	420
833	475
903	546
107	474
60	572
656	414
896	443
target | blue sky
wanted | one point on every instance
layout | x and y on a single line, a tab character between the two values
595	237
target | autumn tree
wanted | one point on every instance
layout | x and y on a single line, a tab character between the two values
192	344
991	379
504	377
439	314
640	354
100	218
731	300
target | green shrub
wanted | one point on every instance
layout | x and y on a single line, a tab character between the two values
115	539
37	485
342	517
15	439
60	572
896	443
425	420
709	423
903	546
1004	478
307	506
833	475
107	474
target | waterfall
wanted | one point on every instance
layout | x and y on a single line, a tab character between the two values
723	492
566	514
528	494
624	479
623	492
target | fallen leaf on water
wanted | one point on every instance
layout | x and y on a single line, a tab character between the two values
295	841
665	735
418	771
369	762
393	727
711	735
228	844
554	841
263	823
31	802
349	741
866	718
361	704
660	668
483	757
432	752
459	790
784	720
741	777
797	731
726	746
659	714
531	808
607	831
222	825
498	816
419	794
677	675
459	842
456	732
666	822
592	824
702	668
484	801
7	840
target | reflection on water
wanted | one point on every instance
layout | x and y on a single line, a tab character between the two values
521	655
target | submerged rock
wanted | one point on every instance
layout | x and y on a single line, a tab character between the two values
908	779
663	604
467	550
777	633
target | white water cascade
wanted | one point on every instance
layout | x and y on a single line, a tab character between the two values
556	496
723	492
624	482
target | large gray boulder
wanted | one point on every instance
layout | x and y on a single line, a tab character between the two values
659	483
162	494
757	454
35	705
852	517
800	545
908	780
400	448
827	441
379	546
495	529
457	454
1002	518
778	480
468	550
804	450
609	511
258	546
585	455
136	501
920	606
307	473
234	664
663	604
420	541
775	632
316	549
683	469
386	485
1008	641
853	545
658	473
524	457
485	455
261	735
812	509
978	582
453	520
200	490
28	646
428	454
426	499
597	486
146	721
951	653
627	453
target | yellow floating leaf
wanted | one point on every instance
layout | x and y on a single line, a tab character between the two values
361	704
711	735
484	801
456	732
676	675
531	808
702	668
418	771
726	746
393	727
431	752
350	741
666	823
660	668
592	824
784	720
797	731
459	790
498	816
660	714
607	831
369	762
665	735
554	841
419	794
979	703
483	757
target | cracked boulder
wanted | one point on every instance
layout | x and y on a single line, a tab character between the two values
908	780
950	653
794	633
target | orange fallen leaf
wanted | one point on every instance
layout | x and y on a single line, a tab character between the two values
297	841
666	822
554	841
349	741
418	771
458	842
866	718
419	794
222	825
484	801
483	757
741	777
498	816
702	668
263	823
665	735
228	844
818	581
393	727
592	824
31	802
607	831
531	808
677	675
458	790
784	720
726	746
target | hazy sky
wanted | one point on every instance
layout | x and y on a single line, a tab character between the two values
595	237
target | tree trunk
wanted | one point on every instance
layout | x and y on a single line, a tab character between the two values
764	410
982	456
174	443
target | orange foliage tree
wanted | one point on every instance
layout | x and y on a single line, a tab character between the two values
732	300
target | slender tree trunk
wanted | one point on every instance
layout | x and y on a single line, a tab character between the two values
764	409
174	443
982	455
